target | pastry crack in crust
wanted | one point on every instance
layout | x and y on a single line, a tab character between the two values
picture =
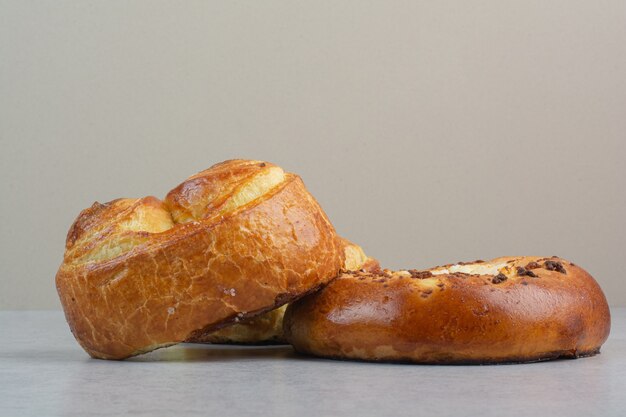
219	244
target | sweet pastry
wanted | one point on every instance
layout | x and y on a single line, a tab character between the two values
518	309
267	328
231	242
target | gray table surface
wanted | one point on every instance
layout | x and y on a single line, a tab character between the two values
43	372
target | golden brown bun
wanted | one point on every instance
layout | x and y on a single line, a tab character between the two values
231	242
268	327
506	310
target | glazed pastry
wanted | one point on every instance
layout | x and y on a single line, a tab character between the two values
519	309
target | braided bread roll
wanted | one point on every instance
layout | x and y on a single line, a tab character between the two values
268	328
231	242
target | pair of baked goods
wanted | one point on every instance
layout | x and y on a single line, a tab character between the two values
222	255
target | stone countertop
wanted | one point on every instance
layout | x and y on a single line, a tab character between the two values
44	372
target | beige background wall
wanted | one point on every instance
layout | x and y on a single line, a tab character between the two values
431	132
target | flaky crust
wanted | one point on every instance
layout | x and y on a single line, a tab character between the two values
267	328
231	242
506	310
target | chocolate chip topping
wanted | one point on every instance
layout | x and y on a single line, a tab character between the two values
521	271
262	164
499	278
420	274
555	266
532	265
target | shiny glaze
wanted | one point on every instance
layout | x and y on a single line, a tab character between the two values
454	318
